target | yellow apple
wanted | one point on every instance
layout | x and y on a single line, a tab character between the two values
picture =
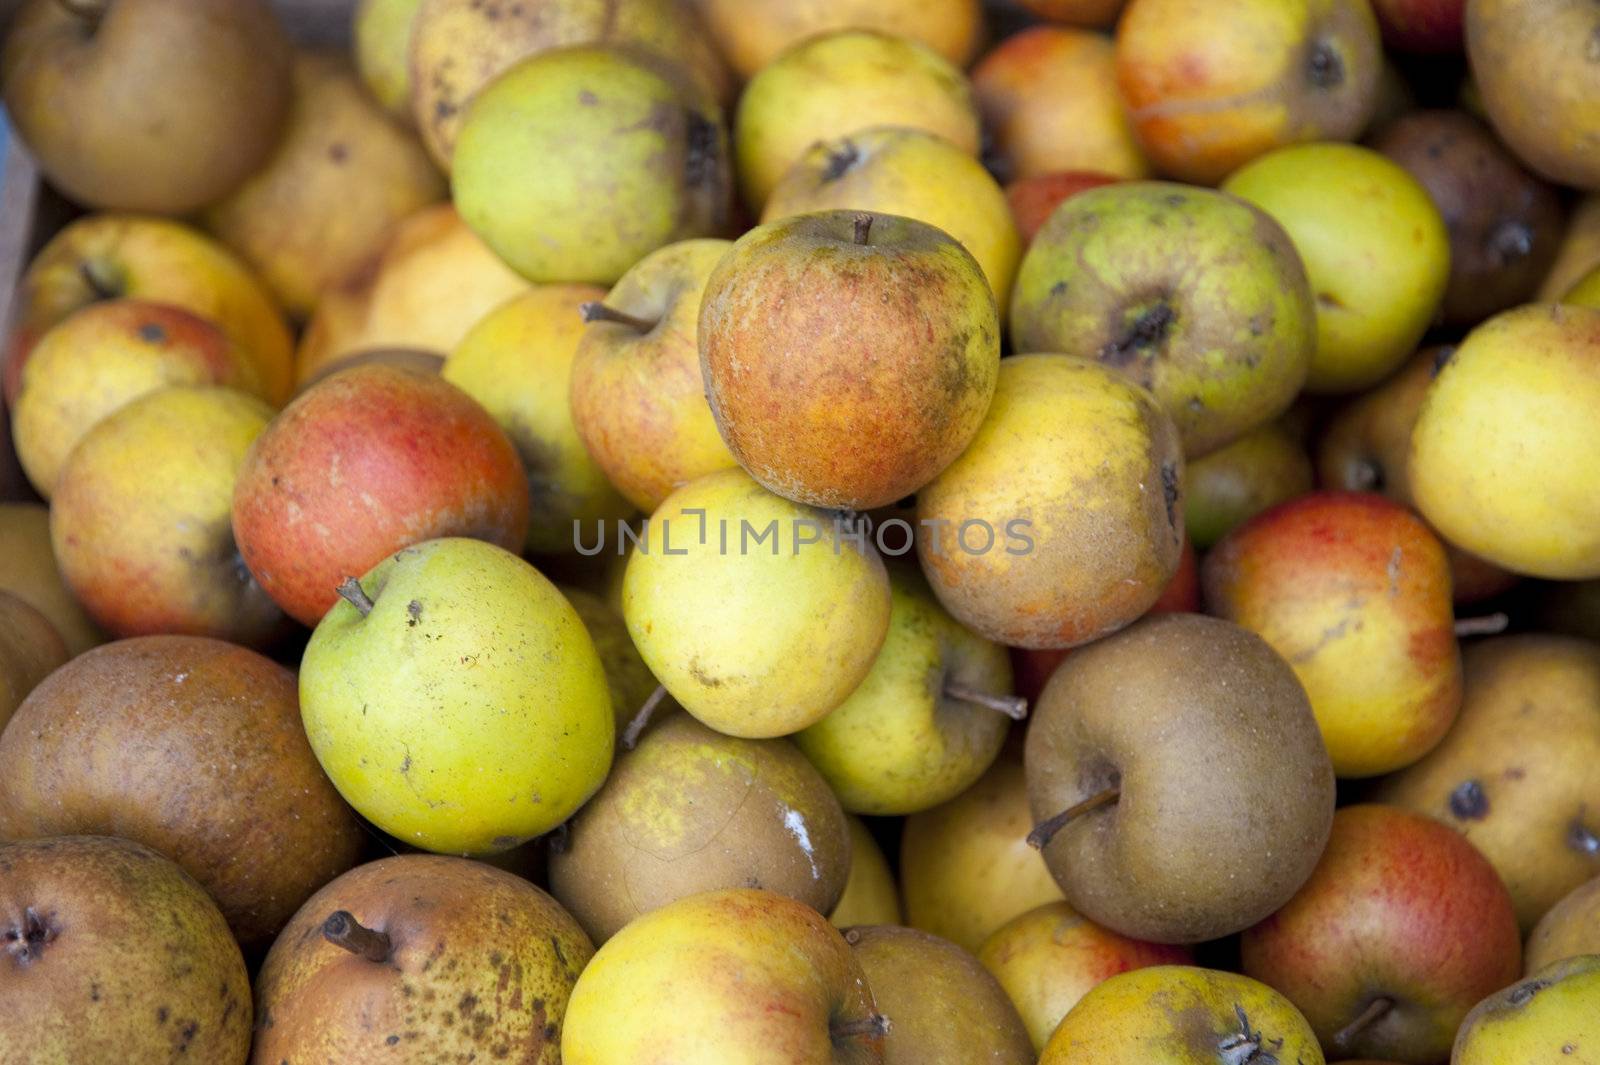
869	891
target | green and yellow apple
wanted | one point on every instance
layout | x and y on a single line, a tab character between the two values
1228	487
381	41
870	895
1569	928
456	700
752	33
1547	1019
29	571
629	679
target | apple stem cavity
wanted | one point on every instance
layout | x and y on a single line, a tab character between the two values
595	311
641	720
863	228
1045	831
1488	625
872	1026
350	591
1376	1010
91	11
343	930
1013	706
98	276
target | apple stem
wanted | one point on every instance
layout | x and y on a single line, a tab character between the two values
873	1026
1013	706
641	720
100	282
1488	625
595	311
1045	831
863	227
1376	1010
350	591
343	930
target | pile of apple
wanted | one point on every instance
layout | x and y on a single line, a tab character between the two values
507	528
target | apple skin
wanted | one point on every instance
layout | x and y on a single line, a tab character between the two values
1547	1019
1549	120
423	458
30	650
1505	224
1373	244
1034	199
1048	958
432	282
722	977
1092	13
475	944
29	571
1586	292
517	362
463	761
1228	487
1054	417
1049	97
1520	391
966	867
848	372
1181	1015
1400	908
1353	591
115	256
140	518
1193	294
1579	253
752	33
1569	928
638	399
617	158
900	743
101	358
834	83
912	173
1212	84
755	638
1429	27
340	179
147	105
870	895
381	40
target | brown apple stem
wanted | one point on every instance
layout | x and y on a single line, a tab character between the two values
1488	625
641	720
1045	831
595	311
1013	706
350	591
1375	1012
863	227
872	1026
343	930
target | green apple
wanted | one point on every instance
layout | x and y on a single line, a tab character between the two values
1374	245
456	700
1548	1019
578	162
1266	466
382	41
758	614
927	721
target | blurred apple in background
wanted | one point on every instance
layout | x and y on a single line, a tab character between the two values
752	33
1034	199
381	42
1426	26
28	570
30	650
1228	487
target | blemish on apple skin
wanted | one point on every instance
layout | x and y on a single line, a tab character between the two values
1469	802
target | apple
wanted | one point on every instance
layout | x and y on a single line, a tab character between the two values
1048	958
848	357
1094	13
1034	199
1569	928
140	518
1579	252
1228	487
30	650
1549	119
456	700
637	396
1063	519
1401	929
758	615
460	47
1193	294
423	362
1504	223
341	177
1374	245
1519	393
752	33
363	464
1536	1020
1425	26
738	975
517	362
912	173
433	280
147	105
116	256
870	895
1049	98
381	41
1211	86
29	571
835	83
1353	591
1586	293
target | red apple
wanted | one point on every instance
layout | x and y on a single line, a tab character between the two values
1422	25
1033	199
366	462
1401	930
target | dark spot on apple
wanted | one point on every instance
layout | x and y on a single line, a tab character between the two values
1509	242
1365	476
1330	301
1580	839
1148	330
1523	993
161	1015
587	98
702	151
1169	489
443	109
1469	801
840	160
392	1040
152	333
414	609
1324	68
339	152
1058	289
